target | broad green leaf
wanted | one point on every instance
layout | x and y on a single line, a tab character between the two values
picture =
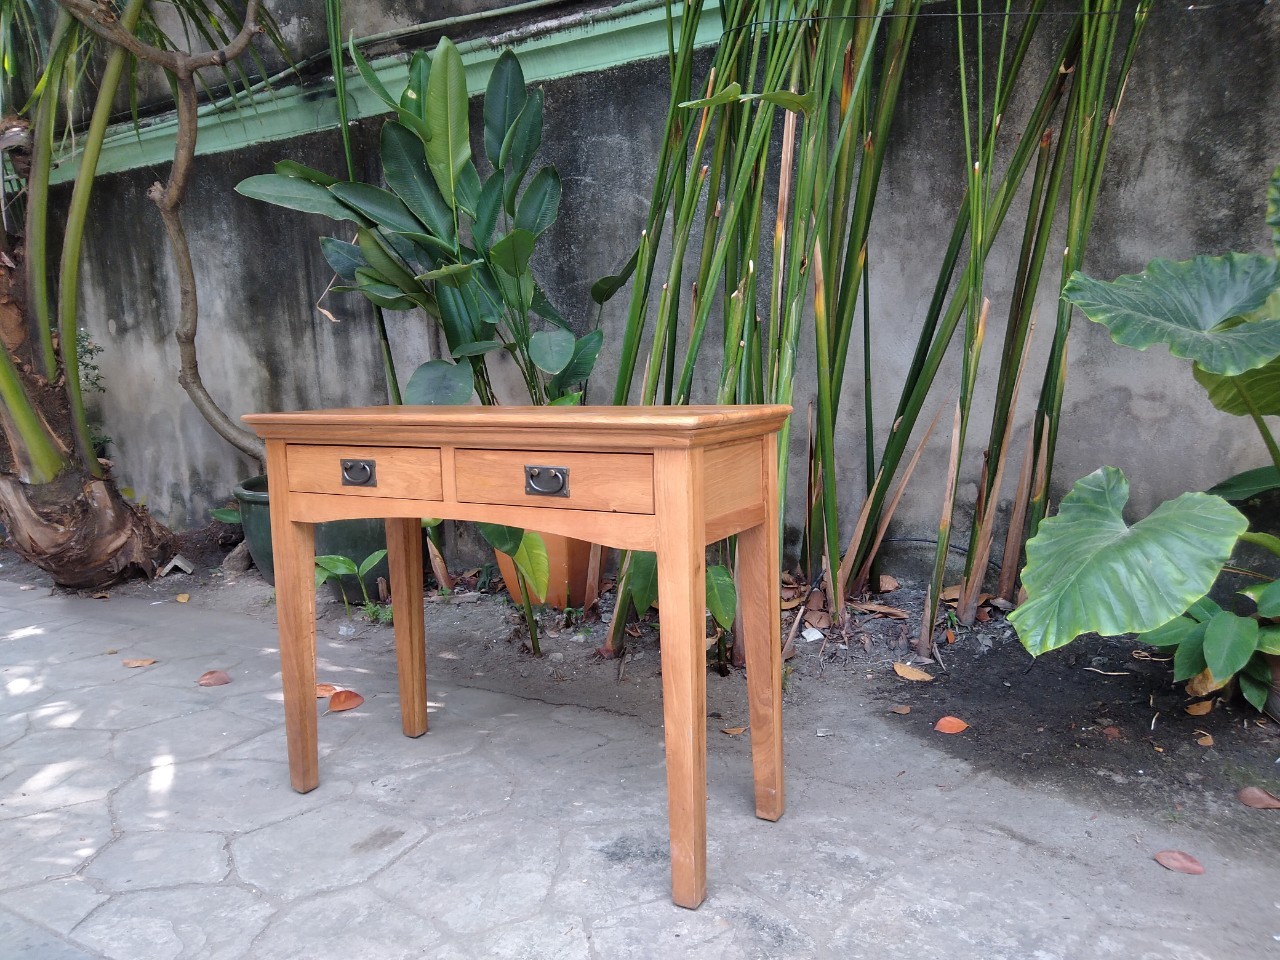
386	295
1269	640
1261	385
1273	208
534	565
519	147
469	189
1188	659
345	258
1172	633
1089	571
540	203
337	565
408	117
642	578
544	308
295	193
404	166
722	596
568	400
1248	484
504	98
795	102
1268	600
1266	541
431	245
551	350
371	561
603	289
380	258
381	206
1182	303
585	352
449	149
513	251
729	94
1229	642
1255	682
487	207
1203	610
439	383
477	348
291	168
451	274
414	97
501	538
226	515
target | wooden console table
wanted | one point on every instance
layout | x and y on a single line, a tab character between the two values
668	479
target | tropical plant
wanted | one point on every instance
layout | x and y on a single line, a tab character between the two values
60	507
1087	570
335	566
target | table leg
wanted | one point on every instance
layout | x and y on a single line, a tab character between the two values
761	615
404	556
681	549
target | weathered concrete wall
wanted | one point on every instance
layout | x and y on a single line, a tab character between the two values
1196	142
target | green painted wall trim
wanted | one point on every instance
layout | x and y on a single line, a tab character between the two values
575	44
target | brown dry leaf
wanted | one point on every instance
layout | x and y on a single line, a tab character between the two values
788	649
1199	709
791	604
138	663
1179	862
951	725
213	678
325	690
908	672
1206	740
819	619
1000	603
1203	684
951	594
901	709
632	630
983	615
1258	798
183	597
817	600
1112	733
888	584
951	636
880	609
344	700
100	596
734	731
1021	598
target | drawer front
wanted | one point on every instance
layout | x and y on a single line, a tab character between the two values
609	482
399	472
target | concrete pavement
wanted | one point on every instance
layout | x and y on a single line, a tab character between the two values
143	817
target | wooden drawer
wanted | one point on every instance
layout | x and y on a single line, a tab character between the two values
399	472
610	482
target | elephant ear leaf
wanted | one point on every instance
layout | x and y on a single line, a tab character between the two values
1183	304
1090	572
1273	208
1261	385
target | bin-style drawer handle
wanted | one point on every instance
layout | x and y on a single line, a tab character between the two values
546	481
359	473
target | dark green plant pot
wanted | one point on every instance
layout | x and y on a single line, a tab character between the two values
355	539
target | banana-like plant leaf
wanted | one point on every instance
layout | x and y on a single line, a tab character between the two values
337	565
477	348
1255	682
1248	484
722	596
1261	385
533	563
602	290
543	307
449	149
431	245
1089	571
379	257
1266	541
540	203
439	383
386	295
226	515
469	189
728	95
802	104
371	561
502	538
643	574
567	400
291	168
1269	640
1229	642
504	98
1188	659
404	166
345	258
1273	208
487	207
381	206
414	97
513	251
551	350
518	149
451	275
296	193
585	352
409	118
1268	600
1183	304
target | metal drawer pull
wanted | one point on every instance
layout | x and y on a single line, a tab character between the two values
359	473
546	481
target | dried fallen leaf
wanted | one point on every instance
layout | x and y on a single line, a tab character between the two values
1000	603
950	594
1112	733
1258	798
1206	740
344	700
1179	862
138	663
892	613
951	636
983	615
734	731
908	672
788	649
901	709
183	597
100	596
792	603
888	584
1203	684
951	725
818	619
1199	709
213	678
325	690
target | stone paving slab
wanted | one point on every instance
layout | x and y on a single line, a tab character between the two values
145	818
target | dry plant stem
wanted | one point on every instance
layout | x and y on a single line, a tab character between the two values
1008	582
924	643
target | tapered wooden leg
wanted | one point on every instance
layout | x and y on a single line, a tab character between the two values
293	547
404	556
681	589
759	606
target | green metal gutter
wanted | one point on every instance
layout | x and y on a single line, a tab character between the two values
561	47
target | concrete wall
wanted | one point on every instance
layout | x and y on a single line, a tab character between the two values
1196	142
